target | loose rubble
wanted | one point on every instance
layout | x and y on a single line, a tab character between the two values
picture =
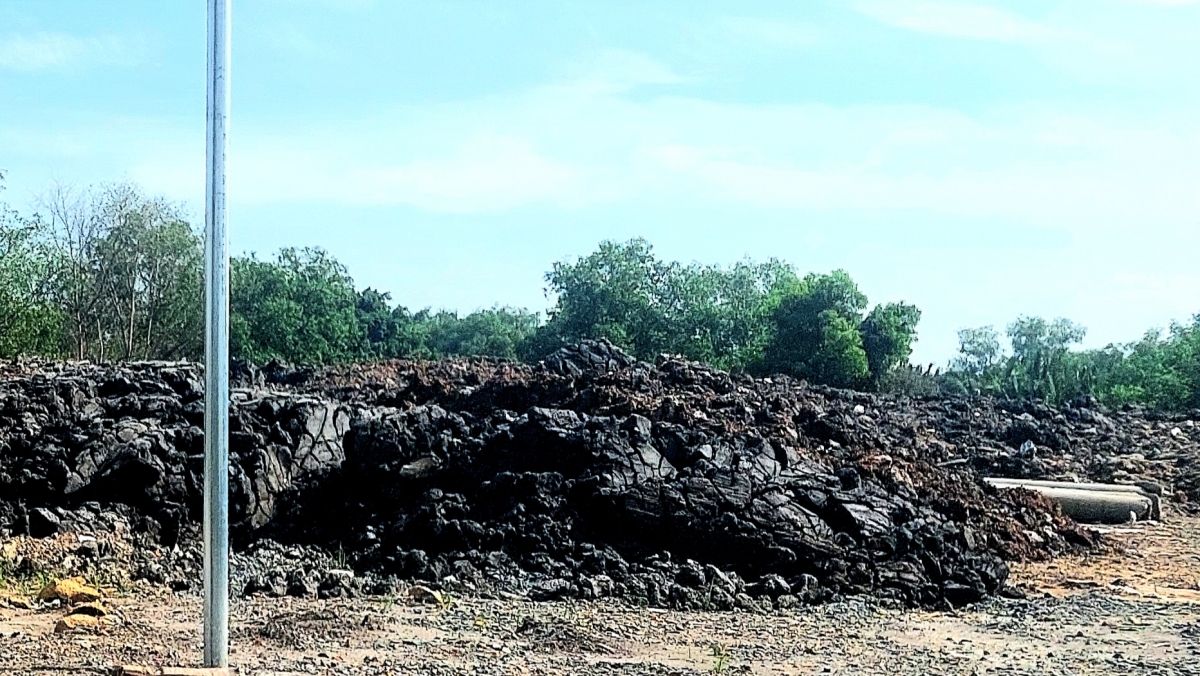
589	475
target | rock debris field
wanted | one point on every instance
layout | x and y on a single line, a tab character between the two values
588	476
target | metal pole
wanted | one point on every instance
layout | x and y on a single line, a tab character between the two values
216	347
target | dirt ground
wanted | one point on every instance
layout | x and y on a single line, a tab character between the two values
1132	609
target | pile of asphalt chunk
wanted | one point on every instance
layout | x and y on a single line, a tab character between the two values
588	475
75	435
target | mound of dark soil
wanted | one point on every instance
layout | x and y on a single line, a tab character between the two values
588	475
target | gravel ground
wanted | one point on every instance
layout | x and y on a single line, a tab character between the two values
1134	609
1087	633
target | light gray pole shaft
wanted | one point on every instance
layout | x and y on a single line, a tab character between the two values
216	347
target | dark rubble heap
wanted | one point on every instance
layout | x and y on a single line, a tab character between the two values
588	475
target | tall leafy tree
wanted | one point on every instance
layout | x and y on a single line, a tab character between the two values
30	322
152	282
888	334
817	334
723	315
499	332
1042	365
617	292
391	331
978	367
300	307
127	273
1160	370
623	292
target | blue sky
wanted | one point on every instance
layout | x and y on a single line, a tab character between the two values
979	160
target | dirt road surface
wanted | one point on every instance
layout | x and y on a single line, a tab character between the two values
1132	609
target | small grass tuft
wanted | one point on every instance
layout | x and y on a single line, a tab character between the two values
720	655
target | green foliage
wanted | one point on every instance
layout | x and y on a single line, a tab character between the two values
499	332
390	332
300	307
618	292
721	656
914	381
980	356
1042	365
1160	371
1157	371
840	359
888	334
116	275
624	293
724	316
109	273
126	274
153	281
396	332
818	332
757	317
30	322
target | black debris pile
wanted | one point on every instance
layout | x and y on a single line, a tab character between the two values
77	439
586	476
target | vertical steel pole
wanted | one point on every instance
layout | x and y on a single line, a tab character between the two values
216	347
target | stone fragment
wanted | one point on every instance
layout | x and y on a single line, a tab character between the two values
77	623
17	602
93	608
72	590
420	594
43	523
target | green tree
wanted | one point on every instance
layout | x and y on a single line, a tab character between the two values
391	332
127	273
300	307
723	316
624	293
978	369
817	332
1161	371
30	322
499	332
153	279
888	334
1042	365
617	293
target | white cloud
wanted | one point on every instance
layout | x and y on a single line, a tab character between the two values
483	174
42	51
1088	173
774	32
976	22
486	175
575	144
292	38
618	70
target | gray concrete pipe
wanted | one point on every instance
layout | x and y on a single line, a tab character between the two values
1149	490
1108	488
1092	503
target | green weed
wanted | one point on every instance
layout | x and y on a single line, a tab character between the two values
721	657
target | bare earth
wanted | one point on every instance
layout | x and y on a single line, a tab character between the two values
1132	610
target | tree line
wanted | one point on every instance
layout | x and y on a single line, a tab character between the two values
112	274
1162	370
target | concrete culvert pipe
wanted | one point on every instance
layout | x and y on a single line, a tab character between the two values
1092	503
